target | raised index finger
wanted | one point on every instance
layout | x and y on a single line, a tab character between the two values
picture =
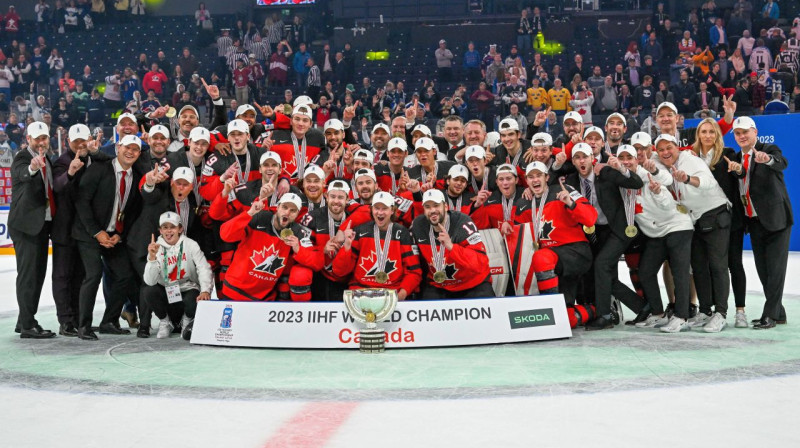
563	187
726	159
152	238
203	80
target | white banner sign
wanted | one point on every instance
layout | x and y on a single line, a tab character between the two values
5	239
427	323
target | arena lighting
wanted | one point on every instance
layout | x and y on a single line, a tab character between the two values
377	56
154	3
100	87
547	48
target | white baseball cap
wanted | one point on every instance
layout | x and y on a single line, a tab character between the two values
169	217
76	132
474	151
184	173
617	115
424	143
667	104
364	172
241	110
131	140
160	129
304	110
591	129
270	155
508	124
582	148
302	100
628	149
333	123
492	139
126	115
398	142
426	131
188	107
543	137
199	133
384	198
315	170
572	115
291	198
507	168
458	171
641	138
339	185
364	154
744	123
382	126
537	166
433	195
238	125
667	138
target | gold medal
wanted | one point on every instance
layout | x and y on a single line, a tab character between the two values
120	216
287	109
197	210
631	231
589	229
171	112
682	209
439	277
744	200
535	245
286	233
381	277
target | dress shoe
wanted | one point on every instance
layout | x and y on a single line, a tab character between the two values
68	329
86	334
779	321
110	328
37	332
131	318
143	332
601	323
642	316
765	324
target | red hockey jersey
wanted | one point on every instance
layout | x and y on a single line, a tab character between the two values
560	224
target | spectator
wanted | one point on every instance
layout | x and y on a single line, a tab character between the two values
683	92
537	96
137	10
513	54
273	30
582	103
717	34
514	112
472	63
645	95
559	98
606	97
524	33
121	10
328	68
279	65
742	98
11	23
113	93
757	93
760	57
776	105
745	45
645	38
38	106
669	36
576	82
579	68
130	84
155	80
770	14
179	78
98	11
341	70
205	26
14	130
163	63
496	71
64	115
87	79
632	75
650	70
687	46
151	103
514	93
653	49
619	77
519	71
703	59
483	100
633	54
597	79
6	78
80	98
42	12
187	62
702	100
21	71
232	110
444	62
625	99
240	79
300	66
664	94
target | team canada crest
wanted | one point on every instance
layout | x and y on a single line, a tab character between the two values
267	260
370	266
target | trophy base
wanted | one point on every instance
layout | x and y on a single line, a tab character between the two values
372	340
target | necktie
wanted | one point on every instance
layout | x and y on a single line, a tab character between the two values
587	190
118	226
50	197
746	166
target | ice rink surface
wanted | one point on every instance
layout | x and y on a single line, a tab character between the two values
621	387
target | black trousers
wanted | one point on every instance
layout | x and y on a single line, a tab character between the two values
68	274
325	290
676	248
136	295
771	253
31	254
710	263
156	298
484	289
574	260
121	273
606	274
736	267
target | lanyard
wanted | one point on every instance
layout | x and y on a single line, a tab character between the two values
457	205
483	184
507	204
183	212
538	221
240	176
382	253
177	264
437	250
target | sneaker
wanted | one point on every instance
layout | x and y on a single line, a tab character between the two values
669	310
653	321
716	324
675	325
699	320
616	311
741	320
165	328
186	325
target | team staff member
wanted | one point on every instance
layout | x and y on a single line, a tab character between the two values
768	214
176	273
457	265
667	118
108	202
380	253
30	222
271	248
68	270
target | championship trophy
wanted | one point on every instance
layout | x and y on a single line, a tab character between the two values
369	306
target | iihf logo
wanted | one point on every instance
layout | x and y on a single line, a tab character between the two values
227	317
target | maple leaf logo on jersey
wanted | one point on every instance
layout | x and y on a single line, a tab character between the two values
267	260
371	271
290	167
547	229
450	271
172	276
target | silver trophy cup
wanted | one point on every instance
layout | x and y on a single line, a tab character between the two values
370	306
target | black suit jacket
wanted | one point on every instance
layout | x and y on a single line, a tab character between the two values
730	185
28	196
155	203
768	190
65	188
607	186
96	195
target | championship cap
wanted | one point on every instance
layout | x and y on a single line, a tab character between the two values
384	198
339	185
291	198
78	132
426	131
666	137
668	105
492	140
270	155
238	125
617	115
543	137
398	142
364	154
582	148
241	110
127	115
159	129
188	107
591	129
572	115
364	172
537	166
628	149
474	151
507	168
744	123
304	110
433	195
458	171
641	138
424	143
184	173
315	170
199	133
169	217
508	124
334	124
381	126
302	100
129	140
